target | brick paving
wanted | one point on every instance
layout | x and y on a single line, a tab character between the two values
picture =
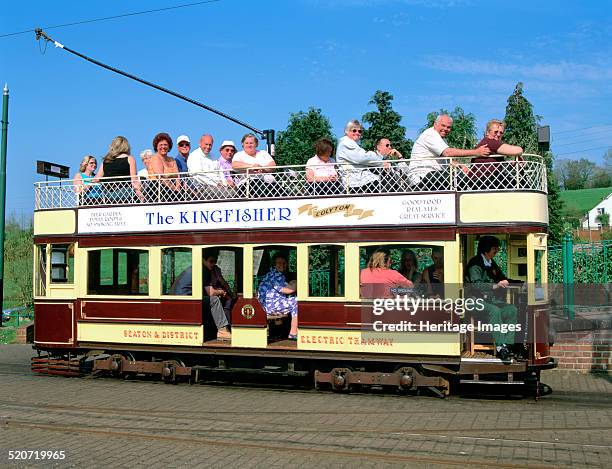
137	423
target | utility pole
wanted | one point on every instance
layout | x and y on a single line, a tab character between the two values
5	97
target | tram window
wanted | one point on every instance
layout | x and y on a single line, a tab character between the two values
428	276
262	262
118	272
229	260
326	271
41	270
537	259
175	261
62	263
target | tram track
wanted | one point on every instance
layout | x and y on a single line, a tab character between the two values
155	416
371	454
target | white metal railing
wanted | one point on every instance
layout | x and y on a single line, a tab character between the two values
392	176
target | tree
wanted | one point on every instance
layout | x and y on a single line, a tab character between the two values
601	178
521	130
384	123
577	173
295	145
463	133
18	265
603	219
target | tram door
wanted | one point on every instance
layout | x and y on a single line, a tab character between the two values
222	269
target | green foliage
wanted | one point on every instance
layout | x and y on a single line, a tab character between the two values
17	266
385	123
463	134
295	144
521	123
603	219
602	177
606	235
522	130
574	174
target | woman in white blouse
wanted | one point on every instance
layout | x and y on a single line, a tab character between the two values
259	164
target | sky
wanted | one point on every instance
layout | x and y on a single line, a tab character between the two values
260	61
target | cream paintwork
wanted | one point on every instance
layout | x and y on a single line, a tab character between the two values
124	333
250	337
409	343
54	222
503	207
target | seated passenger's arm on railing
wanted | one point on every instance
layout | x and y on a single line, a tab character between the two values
509	150
482	150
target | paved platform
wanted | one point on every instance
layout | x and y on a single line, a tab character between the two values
102	422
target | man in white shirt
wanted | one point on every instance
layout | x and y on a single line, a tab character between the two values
428	160
354	161
205	170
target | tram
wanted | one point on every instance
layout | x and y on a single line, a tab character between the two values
104	270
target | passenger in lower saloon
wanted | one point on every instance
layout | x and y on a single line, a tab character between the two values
409	266
378	279
487	281
216	286
276	295
433	276
183	286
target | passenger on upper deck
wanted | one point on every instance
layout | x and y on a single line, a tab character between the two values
487	173
205	169
355	161
489	282
163	168
116	163
321	169
409	266
145	157
276	295
378	278
227	151
258	162
184	146
429	156
83	181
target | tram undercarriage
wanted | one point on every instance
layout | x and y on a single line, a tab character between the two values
436	376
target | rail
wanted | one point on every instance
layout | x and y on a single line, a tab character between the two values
296	181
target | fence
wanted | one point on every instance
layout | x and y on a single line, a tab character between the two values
580	262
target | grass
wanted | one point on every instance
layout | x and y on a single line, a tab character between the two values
577	203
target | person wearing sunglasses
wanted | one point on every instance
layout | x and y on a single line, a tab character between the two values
488	172
184	147
355	162
429	164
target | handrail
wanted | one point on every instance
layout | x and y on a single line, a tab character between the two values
294	181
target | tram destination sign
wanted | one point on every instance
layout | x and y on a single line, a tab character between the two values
396	210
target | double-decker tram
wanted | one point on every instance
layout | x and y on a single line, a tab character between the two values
122	281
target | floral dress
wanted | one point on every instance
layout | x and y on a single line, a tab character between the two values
270	296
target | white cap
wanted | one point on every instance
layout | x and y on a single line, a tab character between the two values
183	138
227	143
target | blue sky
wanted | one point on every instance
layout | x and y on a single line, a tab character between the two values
262	60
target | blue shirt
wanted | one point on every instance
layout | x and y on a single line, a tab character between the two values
181	164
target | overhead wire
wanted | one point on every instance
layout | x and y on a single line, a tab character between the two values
114	17
583	150
582	128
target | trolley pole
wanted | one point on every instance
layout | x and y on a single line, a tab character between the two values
5	99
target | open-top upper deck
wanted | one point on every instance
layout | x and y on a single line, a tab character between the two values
509	191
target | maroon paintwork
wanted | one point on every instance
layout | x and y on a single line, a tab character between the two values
150	311
54	323
257	320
